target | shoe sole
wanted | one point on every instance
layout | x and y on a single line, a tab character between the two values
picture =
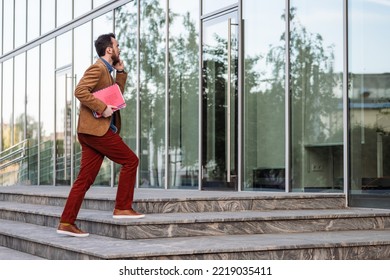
128	216
72	234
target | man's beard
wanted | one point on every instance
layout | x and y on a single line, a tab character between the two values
115	59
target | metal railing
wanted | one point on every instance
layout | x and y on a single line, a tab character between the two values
13	163
13	154
32	164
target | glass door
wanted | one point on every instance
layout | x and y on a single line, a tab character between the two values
63	124
220	101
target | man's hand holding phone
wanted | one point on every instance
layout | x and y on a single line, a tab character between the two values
119	66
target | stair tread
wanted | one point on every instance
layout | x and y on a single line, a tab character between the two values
10	254
212	225
192	217
110	248
145	194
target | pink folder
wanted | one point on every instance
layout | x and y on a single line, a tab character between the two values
111	95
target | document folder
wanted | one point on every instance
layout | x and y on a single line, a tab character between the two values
111	95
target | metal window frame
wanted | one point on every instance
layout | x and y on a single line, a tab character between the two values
346	112
240	124
138	90
288	104
167	99
200	116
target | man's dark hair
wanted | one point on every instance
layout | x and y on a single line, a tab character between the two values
103	42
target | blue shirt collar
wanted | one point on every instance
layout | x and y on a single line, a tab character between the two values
109	66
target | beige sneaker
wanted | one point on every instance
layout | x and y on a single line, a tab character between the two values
127	214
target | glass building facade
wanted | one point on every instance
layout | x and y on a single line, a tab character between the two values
232	95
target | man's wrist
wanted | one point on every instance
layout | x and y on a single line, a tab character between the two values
120	71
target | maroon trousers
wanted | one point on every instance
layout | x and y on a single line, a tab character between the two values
93	151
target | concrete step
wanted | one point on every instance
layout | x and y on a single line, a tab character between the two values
45	242
194	225
10	254
203	224
177	201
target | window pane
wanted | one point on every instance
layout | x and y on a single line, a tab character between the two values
264	102
369	94
1	28
103	25
316	85
184	94
33	16
82	7
47	111
82	60
63	107
2	127
48	15
8	26
64	11
63	114
7	118
33	113
126	34
153	36
64	49
97	3
20	98
20	112
20	22
213	5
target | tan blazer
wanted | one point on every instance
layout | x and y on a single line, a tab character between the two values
96	77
